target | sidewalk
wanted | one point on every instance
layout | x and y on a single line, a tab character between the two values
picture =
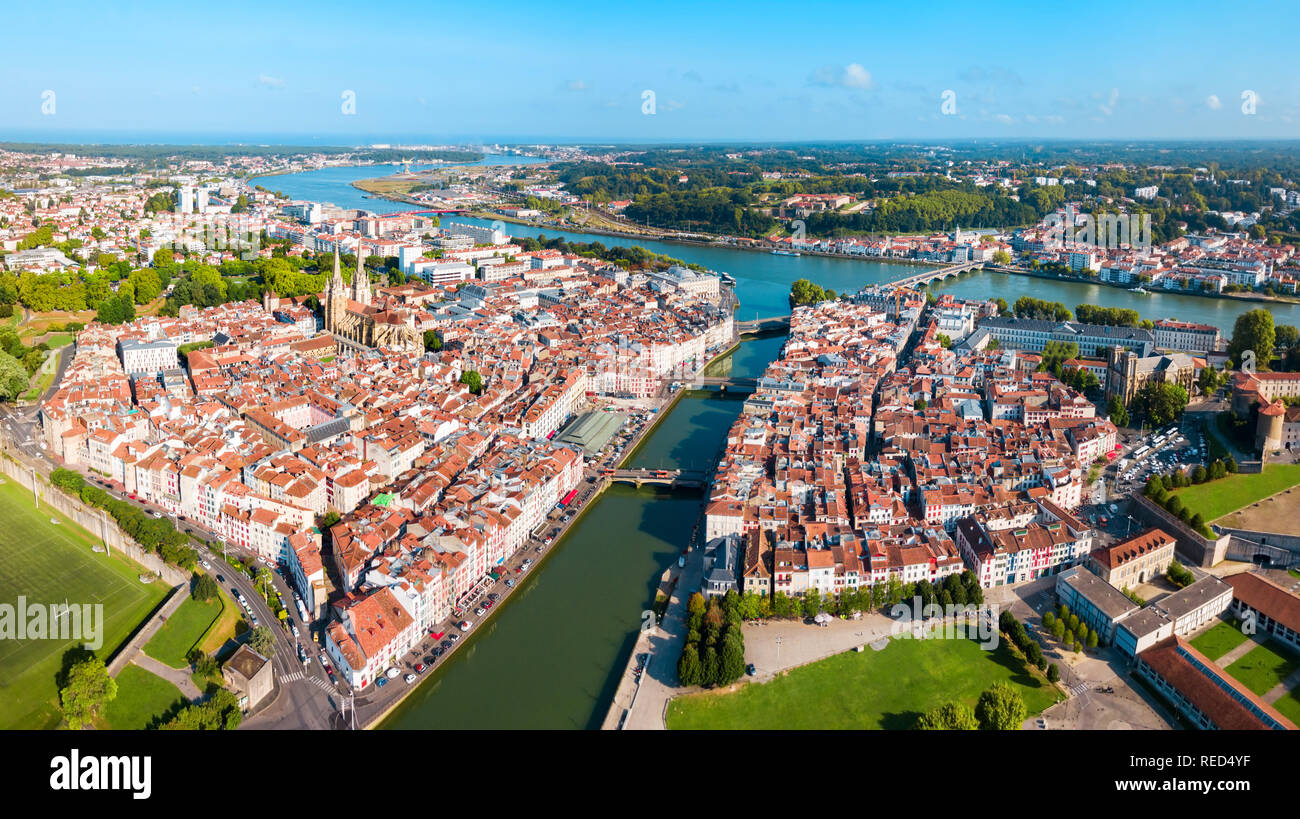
144	635
175	676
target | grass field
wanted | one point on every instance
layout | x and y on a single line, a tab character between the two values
142	697
1218	498
1263	667
1219	640
48	563
885	689
182	631
224	627
1289	706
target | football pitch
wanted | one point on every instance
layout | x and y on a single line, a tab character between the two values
49	563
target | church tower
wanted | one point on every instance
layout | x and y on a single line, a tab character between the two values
336	298
361	279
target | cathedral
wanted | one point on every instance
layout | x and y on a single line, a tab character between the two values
352	317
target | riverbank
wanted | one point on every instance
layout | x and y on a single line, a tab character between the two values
506	594
1056	277
560	535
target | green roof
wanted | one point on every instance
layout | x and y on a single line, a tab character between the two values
382	500
591	430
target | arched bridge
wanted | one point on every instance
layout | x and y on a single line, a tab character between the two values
760	325
936	274
684	478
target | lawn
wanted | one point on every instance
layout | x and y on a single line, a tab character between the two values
1217	498
182	631
1219	640
885	689
48	563
224	627
141	698
1262	668
1289	706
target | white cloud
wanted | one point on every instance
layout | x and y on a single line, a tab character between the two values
577	85
273	82
1109	107
853	75
1212	102
1005	119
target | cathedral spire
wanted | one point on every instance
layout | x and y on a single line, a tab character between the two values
336	281
361	280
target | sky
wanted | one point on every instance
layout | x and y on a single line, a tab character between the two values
430	72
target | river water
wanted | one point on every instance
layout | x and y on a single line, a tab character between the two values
763	280
552	657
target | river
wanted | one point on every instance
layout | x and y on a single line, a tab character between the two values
763	280
552	656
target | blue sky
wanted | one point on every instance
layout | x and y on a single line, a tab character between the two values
578	71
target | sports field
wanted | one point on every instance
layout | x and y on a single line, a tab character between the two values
885	689
52	563
1218	498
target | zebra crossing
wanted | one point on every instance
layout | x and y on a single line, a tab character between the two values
1078	689
294	676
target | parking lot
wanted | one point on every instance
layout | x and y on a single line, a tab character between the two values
1158	453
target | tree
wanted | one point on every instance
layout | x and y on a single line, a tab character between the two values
1230	465
262	640
804	292
712	666
1199	474
1160	402
688	667
1053	673
1254	330
1003	258
733	657
431	341
1117	412
696	604
473	380
86	689
13	377
951	716
1049	620
205	589
1001	708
